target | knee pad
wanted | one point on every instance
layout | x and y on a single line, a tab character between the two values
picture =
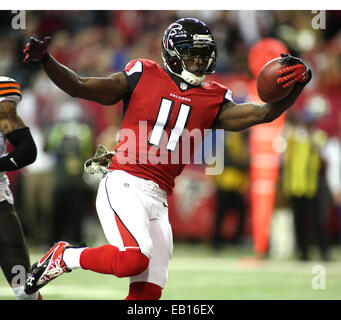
109	259
144	291
130	263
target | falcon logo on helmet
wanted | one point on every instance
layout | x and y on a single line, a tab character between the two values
173	30
189	38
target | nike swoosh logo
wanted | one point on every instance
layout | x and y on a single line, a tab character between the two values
165	204
11	159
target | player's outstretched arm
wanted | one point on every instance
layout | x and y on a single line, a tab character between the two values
104	90
15	130
236	117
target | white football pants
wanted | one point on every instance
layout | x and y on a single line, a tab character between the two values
134	216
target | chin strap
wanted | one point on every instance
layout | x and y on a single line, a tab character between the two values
188	77
192	78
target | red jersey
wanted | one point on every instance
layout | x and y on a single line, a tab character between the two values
165	121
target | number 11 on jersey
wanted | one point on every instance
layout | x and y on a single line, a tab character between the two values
162	120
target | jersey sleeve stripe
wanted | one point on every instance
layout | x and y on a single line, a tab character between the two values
9	84
228	95
9	91
136	68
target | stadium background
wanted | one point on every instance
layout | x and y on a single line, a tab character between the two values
96	43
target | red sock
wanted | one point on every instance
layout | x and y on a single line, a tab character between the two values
108	259
144	291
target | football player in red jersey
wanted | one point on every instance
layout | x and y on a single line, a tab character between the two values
161	106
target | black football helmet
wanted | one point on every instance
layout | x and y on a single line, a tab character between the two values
185	38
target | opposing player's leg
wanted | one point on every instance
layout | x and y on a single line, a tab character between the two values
14	256
149	284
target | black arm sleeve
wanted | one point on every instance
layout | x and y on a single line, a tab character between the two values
24	152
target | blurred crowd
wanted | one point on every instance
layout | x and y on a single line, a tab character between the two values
98	43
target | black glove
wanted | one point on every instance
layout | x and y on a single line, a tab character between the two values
36	50
297	71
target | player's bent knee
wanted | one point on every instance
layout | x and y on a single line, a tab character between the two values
131	263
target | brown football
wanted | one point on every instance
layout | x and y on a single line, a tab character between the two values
267	87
